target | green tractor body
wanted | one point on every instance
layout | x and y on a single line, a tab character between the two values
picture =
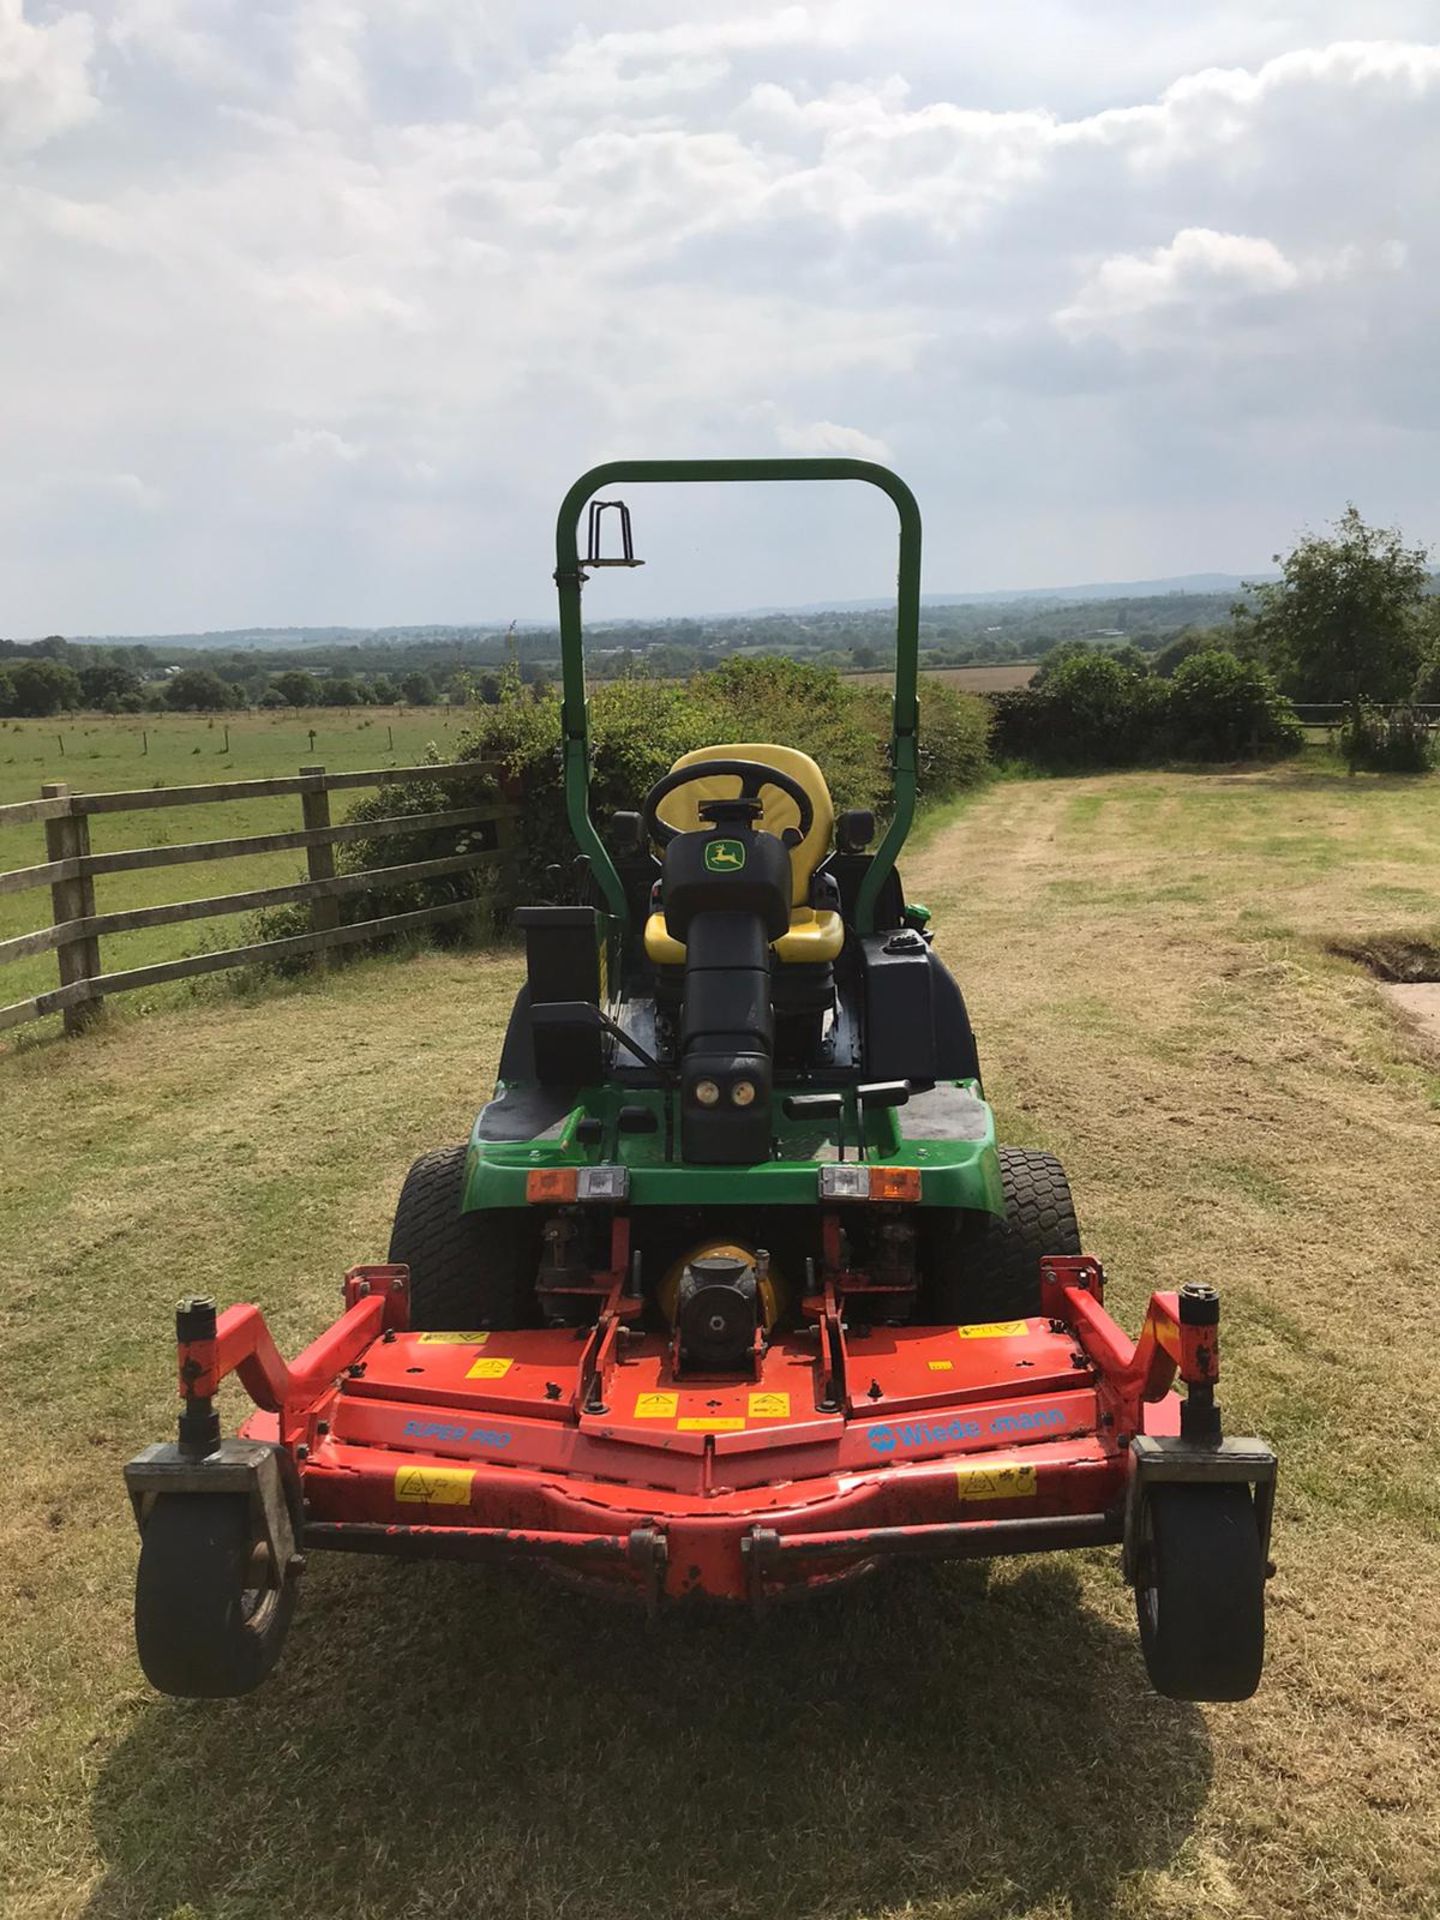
871	1065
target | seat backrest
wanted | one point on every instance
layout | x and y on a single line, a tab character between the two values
682	809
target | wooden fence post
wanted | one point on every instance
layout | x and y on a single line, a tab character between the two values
68	838
324	913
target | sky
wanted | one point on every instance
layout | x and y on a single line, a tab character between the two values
310	310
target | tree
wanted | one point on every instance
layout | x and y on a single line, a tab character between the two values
382	690
273	697
1055	658
7	694
1340	624
418	688
1130	658
300	689
340	693
1426	691
1190	640
43	687
198	690
106	681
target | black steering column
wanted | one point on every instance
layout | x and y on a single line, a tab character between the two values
725	890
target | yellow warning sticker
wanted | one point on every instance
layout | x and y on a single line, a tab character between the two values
993	1330
453	1339
657	1406
769	1406
434	1486
996	1483
709	1425
941	1366
489	1369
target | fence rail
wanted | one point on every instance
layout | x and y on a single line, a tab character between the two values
1331	713
76	928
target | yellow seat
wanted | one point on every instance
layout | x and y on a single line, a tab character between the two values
813	938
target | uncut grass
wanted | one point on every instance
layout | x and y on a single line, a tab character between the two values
941	1743
104	754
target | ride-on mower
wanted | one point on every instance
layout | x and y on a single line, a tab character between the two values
731	1293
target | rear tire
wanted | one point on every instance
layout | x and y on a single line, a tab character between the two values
466	1269
211	1611
992	1271
1200	1592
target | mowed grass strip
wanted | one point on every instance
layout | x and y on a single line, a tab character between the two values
1146	970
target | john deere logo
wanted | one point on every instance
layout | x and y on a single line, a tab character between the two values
725	856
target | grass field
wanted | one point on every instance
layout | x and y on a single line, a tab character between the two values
103	754
1144	956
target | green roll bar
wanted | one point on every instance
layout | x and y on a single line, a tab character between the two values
570	578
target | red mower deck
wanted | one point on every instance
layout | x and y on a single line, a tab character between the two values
584	1450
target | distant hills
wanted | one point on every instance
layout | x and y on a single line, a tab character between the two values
1180	583
298	639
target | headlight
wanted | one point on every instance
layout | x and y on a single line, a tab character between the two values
706	1092
743	1093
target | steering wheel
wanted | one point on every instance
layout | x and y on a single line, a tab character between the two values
753	775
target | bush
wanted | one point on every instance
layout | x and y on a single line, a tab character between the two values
1092	711
1394	742
638	728
198	690
954	738
452	788
1223	708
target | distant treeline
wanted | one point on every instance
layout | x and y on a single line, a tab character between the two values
423	664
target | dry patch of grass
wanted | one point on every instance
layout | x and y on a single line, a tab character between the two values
1144	957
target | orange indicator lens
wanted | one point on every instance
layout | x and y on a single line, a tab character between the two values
894	1183
558	1185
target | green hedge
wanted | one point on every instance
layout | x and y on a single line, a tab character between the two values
1093	711
638	728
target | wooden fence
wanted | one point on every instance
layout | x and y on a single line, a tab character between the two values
70	870
1331	713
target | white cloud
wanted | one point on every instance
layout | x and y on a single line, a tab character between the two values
320	446
1200	269
358	287
827	436
45	79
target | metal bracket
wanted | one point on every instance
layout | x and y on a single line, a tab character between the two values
255	1470
648	1549
1163	1459
759	1550
593	556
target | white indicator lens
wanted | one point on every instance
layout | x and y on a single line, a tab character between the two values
743	1093
844	1183
707	1093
